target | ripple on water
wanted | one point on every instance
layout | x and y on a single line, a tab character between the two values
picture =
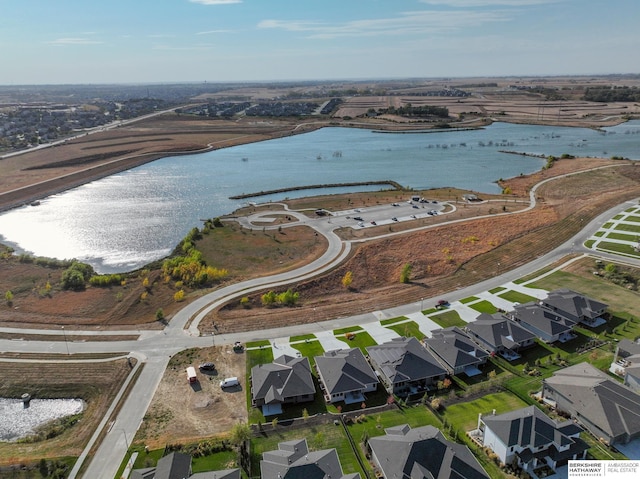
17	422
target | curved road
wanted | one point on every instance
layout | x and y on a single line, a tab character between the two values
153	349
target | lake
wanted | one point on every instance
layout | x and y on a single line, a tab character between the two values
122	222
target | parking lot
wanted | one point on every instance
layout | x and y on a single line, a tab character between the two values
371	216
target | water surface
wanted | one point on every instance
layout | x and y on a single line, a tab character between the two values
129	219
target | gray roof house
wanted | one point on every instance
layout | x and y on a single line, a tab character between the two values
576	307
293	460
178	466
405	366
345	375
608	409
546	324
423	452
499	335
456	351
284	381
529	438
626	363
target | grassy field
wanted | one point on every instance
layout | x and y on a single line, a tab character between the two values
409	328
484	306
464	416
361	340
97	386
516	297
448	319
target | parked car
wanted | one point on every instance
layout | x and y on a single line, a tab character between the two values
207	367
394	219
442	303
229	382
374	223
358	218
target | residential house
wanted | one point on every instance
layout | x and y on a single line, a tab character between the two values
546	324
286	380
529	439
422	452
178	466
456	351
405	366
608	409
293	460
499	335
626	363
345	375
576	307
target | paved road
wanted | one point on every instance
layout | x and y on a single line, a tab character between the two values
153	349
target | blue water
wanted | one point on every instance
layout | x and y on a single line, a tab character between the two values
127	220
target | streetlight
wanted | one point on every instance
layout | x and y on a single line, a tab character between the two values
65	341
421	304
126	442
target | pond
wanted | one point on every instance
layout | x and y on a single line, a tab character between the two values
18	421
125	221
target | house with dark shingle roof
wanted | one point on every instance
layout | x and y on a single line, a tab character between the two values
178	466
286	380
405	366
499	335
576	307
456	351
608	409
345	375
529	439
293	460
422	452
626	363
546	324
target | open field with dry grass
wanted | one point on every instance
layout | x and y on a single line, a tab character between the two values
95	383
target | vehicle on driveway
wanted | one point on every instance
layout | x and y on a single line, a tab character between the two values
442	303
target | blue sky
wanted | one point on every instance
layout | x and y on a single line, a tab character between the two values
140	41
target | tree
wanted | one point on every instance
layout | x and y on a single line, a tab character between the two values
305	414
159	314
405	274
347	279
240	432
179	296
73	279
8	296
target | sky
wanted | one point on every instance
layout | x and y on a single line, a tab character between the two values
163	41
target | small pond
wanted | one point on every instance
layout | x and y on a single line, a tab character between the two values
18	421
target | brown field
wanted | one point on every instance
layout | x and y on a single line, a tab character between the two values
96	383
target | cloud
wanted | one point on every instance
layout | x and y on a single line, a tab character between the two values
488	3
73	41
215	2
408	23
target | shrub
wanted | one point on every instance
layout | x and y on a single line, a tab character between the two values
179	296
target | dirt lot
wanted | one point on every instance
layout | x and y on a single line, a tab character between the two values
187	412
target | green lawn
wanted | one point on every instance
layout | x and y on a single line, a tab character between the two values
464	416
302	337
257	344
470	299
623	249
484	307
410	328
215	462
375	423
361	340
516	297
607	225
310	350
448	319
350	329
599	234
623	237
386	322
630	228
589	243
635	219
497	290
324	436
617	297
